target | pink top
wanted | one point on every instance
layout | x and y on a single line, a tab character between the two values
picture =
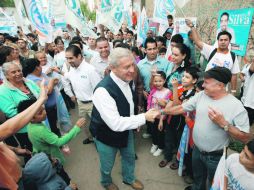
152	100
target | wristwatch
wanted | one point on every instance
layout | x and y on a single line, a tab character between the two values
226	127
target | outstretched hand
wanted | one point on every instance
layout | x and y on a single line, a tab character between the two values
151	114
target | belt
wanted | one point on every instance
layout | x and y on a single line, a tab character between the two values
216	152
86	102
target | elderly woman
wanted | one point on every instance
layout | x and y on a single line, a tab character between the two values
14	90
34	73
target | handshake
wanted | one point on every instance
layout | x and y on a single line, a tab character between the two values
151	114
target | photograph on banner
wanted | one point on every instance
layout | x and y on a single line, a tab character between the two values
237	22
180	26
7	21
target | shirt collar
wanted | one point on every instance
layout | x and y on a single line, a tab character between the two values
117	80
156	60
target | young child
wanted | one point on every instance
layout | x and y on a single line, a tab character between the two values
189	80
157	97
42	139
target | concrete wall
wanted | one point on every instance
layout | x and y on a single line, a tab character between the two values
207	12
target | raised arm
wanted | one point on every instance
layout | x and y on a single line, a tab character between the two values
197	40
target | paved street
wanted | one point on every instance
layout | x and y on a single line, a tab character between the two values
83	167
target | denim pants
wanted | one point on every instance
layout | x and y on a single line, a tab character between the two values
204	166
107	156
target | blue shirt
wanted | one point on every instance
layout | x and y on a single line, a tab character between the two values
146	67
51	97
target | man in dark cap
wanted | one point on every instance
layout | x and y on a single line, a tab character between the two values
219	116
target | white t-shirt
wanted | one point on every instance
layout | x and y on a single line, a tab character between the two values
238	177
248	89
220	59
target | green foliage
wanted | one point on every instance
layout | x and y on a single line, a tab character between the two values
85	10
7	3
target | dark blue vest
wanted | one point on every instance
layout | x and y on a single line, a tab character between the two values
99	128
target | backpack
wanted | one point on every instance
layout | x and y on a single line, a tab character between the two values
214	52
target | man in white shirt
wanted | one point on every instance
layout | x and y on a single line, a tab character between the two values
90	50
113	119
218	57
83	79
100	62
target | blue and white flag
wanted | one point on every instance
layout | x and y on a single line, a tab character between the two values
162	8
75	18
38	19
111	14
143	26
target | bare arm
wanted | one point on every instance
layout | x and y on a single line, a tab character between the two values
176	110
225	183
218	118
12	125
233	82
197	40
252	66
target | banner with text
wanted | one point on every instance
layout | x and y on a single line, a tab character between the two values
238	23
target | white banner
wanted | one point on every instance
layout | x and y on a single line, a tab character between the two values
162	8
7	21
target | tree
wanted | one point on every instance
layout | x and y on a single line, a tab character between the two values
85	10
7	3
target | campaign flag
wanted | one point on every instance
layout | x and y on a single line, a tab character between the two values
111	14
183	148
238	23
22	19
38	19
7	21
162	8
55	11
75	18
180	26
143	26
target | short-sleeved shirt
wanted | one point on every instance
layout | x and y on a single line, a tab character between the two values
146	67
238	177
247	98
220	59
99	64
207	135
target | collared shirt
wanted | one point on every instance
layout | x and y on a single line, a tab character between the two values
83	80
90	53
60	59
99	64
146	67
107	108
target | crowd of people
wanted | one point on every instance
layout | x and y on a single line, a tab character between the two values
119	86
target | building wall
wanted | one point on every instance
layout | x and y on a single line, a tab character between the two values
207	12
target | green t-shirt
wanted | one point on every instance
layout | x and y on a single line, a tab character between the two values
43	140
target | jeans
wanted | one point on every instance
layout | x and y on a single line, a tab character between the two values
107	156
204	166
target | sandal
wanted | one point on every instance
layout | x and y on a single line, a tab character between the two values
174	166
163	163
